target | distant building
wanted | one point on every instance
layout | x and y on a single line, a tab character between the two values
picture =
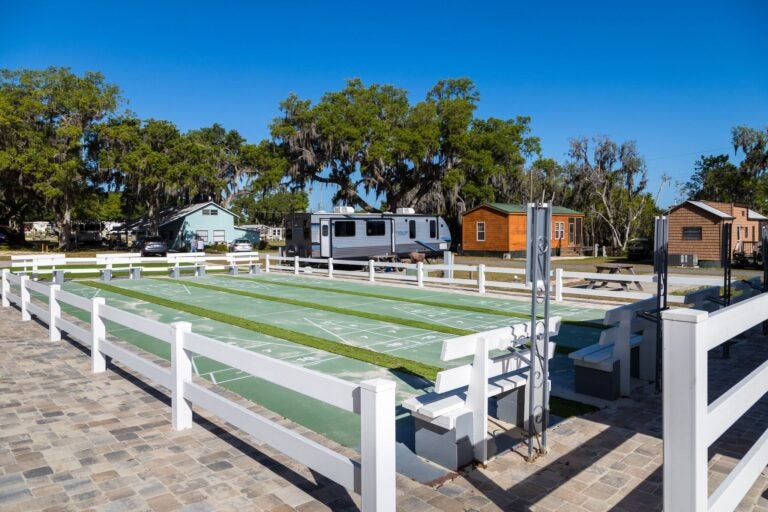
695	230
207	221
270	233
499	228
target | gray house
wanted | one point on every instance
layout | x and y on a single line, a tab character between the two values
207	221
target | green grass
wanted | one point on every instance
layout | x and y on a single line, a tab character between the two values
342	311
361	354
473	309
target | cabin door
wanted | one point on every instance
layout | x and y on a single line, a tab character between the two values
393	243
325	238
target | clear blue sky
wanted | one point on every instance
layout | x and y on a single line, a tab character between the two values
674	76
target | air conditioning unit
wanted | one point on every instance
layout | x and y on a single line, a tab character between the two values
343	209
405	211
689	260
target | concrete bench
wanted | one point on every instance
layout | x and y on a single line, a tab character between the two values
32	263
627	349
128	262
450	422
237	259
192	261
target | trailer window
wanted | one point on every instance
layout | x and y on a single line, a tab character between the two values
344	228
375	228
412	228
692	233
432	229
325	230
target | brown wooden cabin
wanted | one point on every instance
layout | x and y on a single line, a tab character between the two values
695	228
498	228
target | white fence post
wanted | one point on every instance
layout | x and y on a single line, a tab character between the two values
25	316
5	286
54	313
481	278
420	274
558	284
377	445
448	260
370	271
296	265
181	370
98	333
685	409
266	263
330	268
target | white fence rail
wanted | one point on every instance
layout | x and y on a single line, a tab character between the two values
691	423
373	477
482	277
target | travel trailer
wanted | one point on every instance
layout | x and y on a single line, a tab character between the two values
344	234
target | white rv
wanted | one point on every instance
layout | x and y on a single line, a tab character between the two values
344	234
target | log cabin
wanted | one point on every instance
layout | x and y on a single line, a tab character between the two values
695	231
495	229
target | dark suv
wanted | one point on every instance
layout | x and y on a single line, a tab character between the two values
640	249
152	246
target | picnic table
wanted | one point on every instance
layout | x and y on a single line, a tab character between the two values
614	268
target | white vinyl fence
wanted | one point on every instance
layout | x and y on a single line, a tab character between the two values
691	423
482	277
373	400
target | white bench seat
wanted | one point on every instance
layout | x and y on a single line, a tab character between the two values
451	421
601	357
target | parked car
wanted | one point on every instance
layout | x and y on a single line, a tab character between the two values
8	236
640	249
151	246
241	245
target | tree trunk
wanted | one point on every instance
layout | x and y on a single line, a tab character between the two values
64	223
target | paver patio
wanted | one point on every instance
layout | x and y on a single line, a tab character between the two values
70	440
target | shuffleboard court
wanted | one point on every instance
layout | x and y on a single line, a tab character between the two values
513	304
388	337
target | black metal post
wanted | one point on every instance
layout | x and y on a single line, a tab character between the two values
726	256
661	266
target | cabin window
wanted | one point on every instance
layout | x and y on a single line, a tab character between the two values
432	229
738	232
692	233
344	228
571	230
481	231
412	229
325	230
559	230
212	211
219	235
375	228
202	234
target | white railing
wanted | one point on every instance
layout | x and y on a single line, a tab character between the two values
46	264
373	400
691	423
482	277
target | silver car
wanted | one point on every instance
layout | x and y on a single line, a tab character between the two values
241	245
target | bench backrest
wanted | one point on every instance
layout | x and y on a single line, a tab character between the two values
241	257
481	344
35	260
624	320
128	258
191	257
